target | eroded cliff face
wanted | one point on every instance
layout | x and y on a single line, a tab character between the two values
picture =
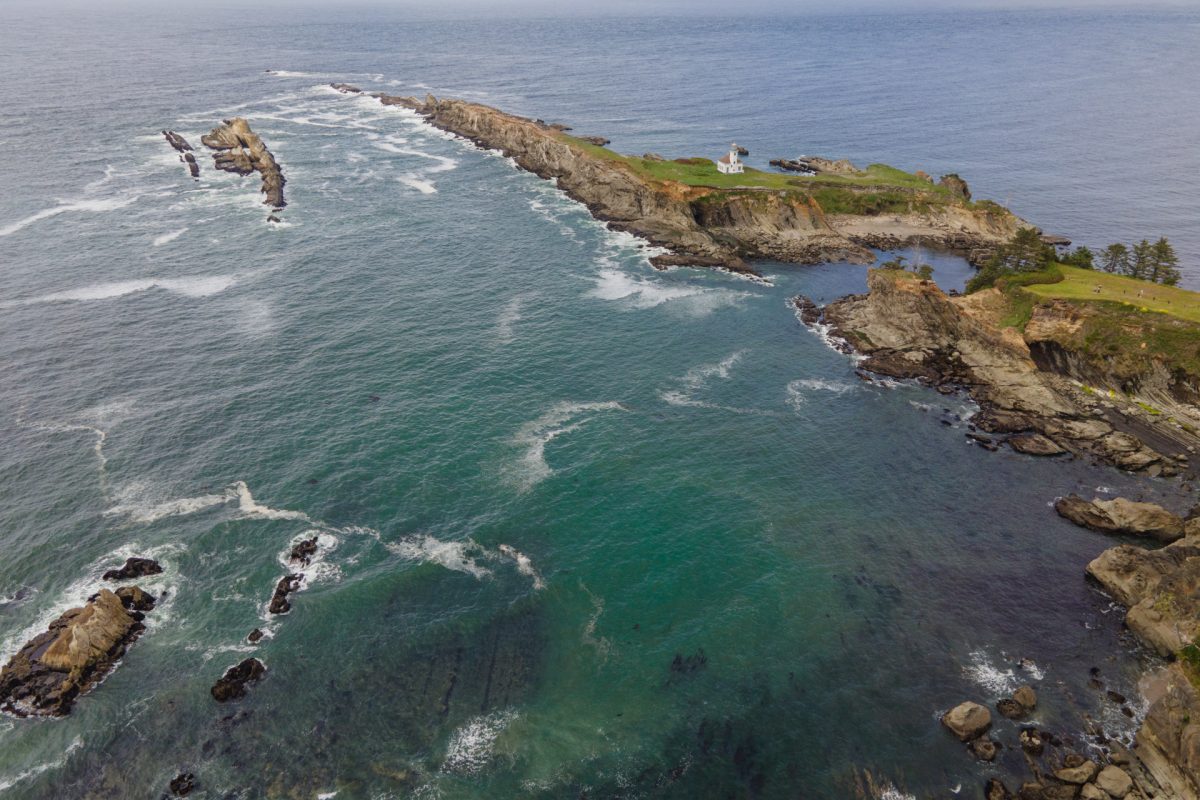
707	226
909	328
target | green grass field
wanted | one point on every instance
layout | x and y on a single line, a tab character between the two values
703	172
1081	284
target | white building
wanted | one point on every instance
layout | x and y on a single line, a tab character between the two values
730	164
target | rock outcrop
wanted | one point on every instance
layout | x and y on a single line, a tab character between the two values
704	225
967	721
82	646
232	685
956	186
279	599
909	328
242	151
1123	516
134	568
185	151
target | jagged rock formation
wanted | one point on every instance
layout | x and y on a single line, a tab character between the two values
346	88
908	328
185	151
1161	589
232	685
242	151
1125	517
703	225
82	646
134	568
956	185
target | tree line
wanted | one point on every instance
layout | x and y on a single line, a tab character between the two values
1026	252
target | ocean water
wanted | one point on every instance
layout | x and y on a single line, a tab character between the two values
586	529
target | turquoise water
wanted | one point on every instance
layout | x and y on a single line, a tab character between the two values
586	528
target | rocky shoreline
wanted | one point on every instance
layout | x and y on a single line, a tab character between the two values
703	225
1031	397
907	328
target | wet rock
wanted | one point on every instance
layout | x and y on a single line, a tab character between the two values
742	151
255	636
178	142
80	647
1115	697
1114	781
1091	791
242	151
303	551
135	599
1035	444
967	720
1010	708
686	665
346	88
793	165
995	789
232	685
1122	516
134	568
984	748
986	442
1076	769
1031	741
193	167
1027	697
279	600
182	784
810	312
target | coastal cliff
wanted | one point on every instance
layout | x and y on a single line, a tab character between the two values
1029	384
705	218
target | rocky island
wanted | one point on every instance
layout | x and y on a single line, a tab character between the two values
706	218
242	151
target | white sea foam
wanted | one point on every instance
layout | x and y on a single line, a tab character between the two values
563	418
643	293
457	556
249	507
159	241
97	447
506	321
524	565
889	792
33	772
697	379
998	681
601	643
800	391
471	746
95	206
132	504
414	182
196	287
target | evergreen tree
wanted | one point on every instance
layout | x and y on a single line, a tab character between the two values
1165	263
895	263
924	271
1081	257
1115	259
1142	265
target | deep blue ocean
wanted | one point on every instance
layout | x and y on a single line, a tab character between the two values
586	529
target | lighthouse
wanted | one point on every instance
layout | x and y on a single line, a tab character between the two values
729	163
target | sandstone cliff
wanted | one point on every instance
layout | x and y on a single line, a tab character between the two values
908	328
709	226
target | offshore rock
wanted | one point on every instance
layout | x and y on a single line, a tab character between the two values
303	551
134	599
134	568
182	784
232	685
242	151
279	600
82	646
1122	516
810	312
184	149
346	88
967	720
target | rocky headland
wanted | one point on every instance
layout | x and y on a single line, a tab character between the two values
1039	389
705	218
242	151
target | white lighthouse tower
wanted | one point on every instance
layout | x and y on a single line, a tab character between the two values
730	164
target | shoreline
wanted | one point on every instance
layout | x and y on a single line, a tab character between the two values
703	222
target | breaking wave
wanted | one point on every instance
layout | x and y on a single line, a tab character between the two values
203	286
95	206
159	241
471	746
456	556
